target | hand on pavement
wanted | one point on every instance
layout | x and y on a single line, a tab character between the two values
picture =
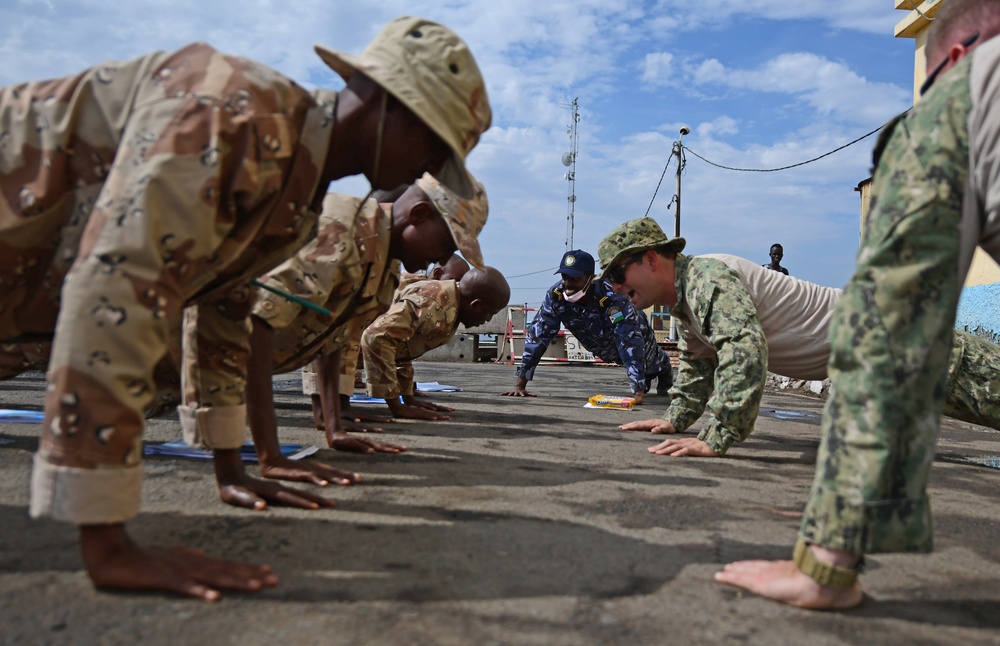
419	412
357	416
251	493
311	471
518	392
656	426
351	444
679	447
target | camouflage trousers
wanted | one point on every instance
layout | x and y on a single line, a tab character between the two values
890	337
973	391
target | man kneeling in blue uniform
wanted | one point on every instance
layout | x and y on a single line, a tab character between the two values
605	323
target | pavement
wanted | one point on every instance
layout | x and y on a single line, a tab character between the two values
519	521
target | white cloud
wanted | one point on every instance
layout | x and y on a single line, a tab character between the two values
656	67
870	16
639	69
828	86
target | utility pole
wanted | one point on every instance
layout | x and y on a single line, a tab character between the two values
569	159
678	151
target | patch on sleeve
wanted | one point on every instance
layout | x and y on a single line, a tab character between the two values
615	315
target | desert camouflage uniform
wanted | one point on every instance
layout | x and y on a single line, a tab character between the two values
423	316
352	358
937	195
352	373
347	270
128	191
16	358
606	325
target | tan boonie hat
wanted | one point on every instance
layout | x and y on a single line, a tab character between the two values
465	218
633	237
432	72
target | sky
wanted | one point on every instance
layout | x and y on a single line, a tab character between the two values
761	84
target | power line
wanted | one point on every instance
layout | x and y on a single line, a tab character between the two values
662	175
772	170
532	273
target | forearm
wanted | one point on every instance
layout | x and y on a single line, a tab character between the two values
529	361
260	394
327	373
632	354
690	392
380	367
739	388
350	354
404	372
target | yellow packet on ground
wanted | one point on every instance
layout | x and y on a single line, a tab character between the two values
611	401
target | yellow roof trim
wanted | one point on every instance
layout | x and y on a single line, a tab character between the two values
914	23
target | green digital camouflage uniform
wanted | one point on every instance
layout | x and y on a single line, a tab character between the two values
737	320
973	386
937	196
730	383
129	190
728	379
423	316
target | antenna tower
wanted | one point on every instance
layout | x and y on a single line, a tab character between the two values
569	159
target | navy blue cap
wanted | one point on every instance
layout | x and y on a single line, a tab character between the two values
576	263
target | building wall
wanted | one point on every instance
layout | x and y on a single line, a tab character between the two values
978	311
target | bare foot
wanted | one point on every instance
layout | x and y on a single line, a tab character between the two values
783	581
114	561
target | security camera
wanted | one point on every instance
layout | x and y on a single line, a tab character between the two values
685	130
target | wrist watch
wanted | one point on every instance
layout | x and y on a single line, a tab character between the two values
825	573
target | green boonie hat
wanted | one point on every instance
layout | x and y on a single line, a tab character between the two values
635	236
432	72
465	218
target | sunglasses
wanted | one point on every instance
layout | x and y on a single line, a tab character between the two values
940	68
616	275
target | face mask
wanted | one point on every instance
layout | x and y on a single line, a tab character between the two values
580	293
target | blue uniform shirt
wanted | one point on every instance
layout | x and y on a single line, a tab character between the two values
607	325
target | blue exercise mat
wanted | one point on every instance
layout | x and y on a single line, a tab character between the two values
16	415
179	449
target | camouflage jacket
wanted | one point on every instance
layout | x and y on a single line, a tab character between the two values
607	325
346	269
162	181
737	320
423	316
715	310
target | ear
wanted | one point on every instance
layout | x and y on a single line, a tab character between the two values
420	211
436	273
957	52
